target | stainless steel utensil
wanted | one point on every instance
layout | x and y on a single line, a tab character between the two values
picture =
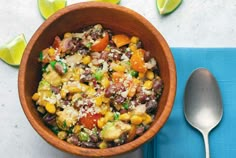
202	103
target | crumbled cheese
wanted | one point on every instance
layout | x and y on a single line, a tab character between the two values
124	57
151	63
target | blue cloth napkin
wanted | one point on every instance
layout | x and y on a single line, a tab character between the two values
177	139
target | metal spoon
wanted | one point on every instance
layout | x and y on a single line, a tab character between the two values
202	103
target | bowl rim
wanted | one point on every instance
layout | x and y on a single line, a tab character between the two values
64	146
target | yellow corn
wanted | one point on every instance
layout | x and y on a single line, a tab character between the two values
91	91
105	82
98	101
104	108
43	102
86	60
103	145
62	135
76	129
141	75
51	51
136	120
132	47
35	97
109	116
148	84
63	94
119	68
124	117
150	75
50	108
105	100
68	35
101	122
134	39
73	89
147	119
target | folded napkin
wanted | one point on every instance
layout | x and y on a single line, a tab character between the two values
177	139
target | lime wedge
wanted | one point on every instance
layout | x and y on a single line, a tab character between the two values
12	51
48	7
167	6
109	1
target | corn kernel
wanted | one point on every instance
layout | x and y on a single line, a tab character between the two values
124	117
68	35
134	39
101	122
98	101
150	75
63	94
103	145
74	89
51	51
105	100
104	109
86	60
91	91
62	135
136	120
43	102
76	129
35	97
118	68
105	82
141	75
148	84
50	108
109	116
133	47
147	119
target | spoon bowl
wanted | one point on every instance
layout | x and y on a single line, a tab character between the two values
202	103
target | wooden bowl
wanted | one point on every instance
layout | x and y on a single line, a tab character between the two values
120	20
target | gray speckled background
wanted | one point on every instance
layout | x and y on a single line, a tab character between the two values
196	23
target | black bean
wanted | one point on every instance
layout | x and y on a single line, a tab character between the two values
128	54
59	68
139	44
50	119
73	139
140	130
141	97
104	55
116	56
94	138
151	106
109	91
122	111
88	144
119	99
147	56
55	90
157	85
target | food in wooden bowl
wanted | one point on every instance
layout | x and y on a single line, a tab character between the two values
99	88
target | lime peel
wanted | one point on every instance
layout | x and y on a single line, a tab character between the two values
109	1
49	7
12	51
167	6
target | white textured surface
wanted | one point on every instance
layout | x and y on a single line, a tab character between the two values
196	23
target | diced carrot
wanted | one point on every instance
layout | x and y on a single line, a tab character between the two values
137	61
116	76
120	40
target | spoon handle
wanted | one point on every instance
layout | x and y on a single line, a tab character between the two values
205	137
